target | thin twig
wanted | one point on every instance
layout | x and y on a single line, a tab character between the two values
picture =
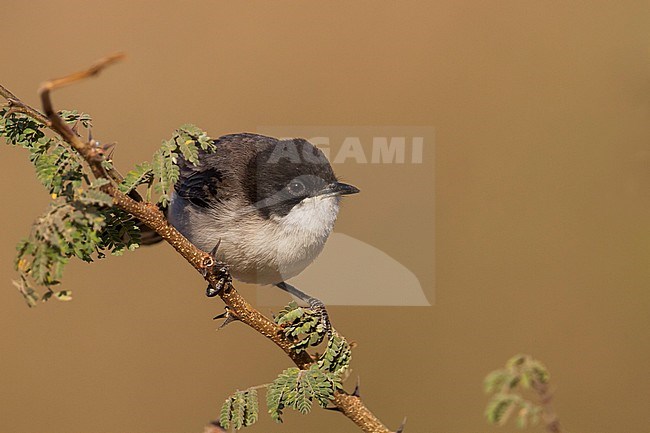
17	106
6	93
94	69
350	405
551	420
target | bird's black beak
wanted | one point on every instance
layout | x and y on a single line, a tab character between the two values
338	188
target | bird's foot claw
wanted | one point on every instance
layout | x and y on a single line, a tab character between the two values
217	274
318	307
220	280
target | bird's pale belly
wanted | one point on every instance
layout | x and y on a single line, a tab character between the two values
257	250
249	269
254	259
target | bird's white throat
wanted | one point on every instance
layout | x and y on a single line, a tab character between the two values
301	234
313	217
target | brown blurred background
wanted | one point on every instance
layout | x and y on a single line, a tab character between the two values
542	205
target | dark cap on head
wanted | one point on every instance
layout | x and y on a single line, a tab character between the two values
284	173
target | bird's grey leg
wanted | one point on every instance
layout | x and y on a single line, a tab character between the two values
315	305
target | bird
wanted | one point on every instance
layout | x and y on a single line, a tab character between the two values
269	204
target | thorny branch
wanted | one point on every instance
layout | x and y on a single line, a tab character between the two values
238	308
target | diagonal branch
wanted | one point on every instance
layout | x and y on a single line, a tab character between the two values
350	405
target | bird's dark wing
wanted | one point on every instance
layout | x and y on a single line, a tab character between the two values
217	177
199	184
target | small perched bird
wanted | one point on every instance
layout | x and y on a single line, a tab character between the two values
269	204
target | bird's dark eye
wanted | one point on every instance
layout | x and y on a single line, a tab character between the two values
296	188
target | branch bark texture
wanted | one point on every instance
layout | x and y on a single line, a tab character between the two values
350	405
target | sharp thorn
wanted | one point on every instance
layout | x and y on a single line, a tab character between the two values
400	429
334	408
75	128
213	253
214	427
225	315
221	316
229	319
108	146
356	388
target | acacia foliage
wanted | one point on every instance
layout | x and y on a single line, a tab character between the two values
294	388
80	220
507	386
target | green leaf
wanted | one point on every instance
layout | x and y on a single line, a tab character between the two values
72	117
225	416
142	174
121	232
185	142
81	221
522	372
516	361
98	183
298	389
165	170
189	150
538	371
279	392
303	326
290	316
95	197
239	410
69	228
57	167
63	295
496	380
199	136
20	130
499	408
252	408
337	356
